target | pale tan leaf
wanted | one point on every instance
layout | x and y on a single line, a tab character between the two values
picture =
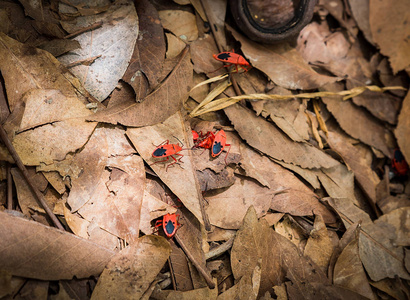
47	106
181	23
181	179
52	142
29	249
131	271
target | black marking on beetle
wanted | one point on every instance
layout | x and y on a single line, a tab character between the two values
217	148
169	227
224	56
160	152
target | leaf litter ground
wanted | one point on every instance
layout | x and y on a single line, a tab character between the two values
307	206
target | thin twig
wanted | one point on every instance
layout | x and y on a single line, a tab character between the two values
20	165
204	273
9	189
220	249
82	30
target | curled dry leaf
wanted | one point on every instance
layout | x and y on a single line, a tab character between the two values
349	272
360	10
132	270
256	241
265	137
398	221
30	72
283	64
375	242
180	178
199	293
29	249
116	207
402	131
359	123
391	34
181	23
146	62
164	101
47	106
52	142
319	247
359	159
113	43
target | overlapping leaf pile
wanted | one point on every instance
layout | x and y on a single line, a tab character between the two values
307	206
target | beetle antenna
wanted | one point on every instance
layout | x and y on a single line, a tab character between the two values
178	140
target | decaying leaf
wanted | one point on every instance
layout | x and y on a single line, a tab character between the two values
144	69
29	249
113	42
181	23
391	35
256	241
157	106
375	242
402	131
319	247
180	178
349	272
131	271
399	219
265	137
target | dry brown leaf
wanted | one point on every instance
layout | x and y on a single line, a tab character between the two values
246	288
131	271
149	52
181	179
199	293
175	45
181	23
338	181
265	137
47	106
360	11
56	181
381	105
116	203
398	221
32	250
349	272
179	265
256	241
52	142
283	64
28	64
358	123
290	230
319	248
201	52
402	131
359	159
391	34
375	243
157	106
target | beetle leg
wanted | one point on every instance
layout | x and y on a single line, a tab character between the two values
227	152
160	161
176	161
166	142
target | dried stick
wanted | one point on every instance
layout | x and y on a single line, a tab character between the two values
204	273
220	249
37	193
9	189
